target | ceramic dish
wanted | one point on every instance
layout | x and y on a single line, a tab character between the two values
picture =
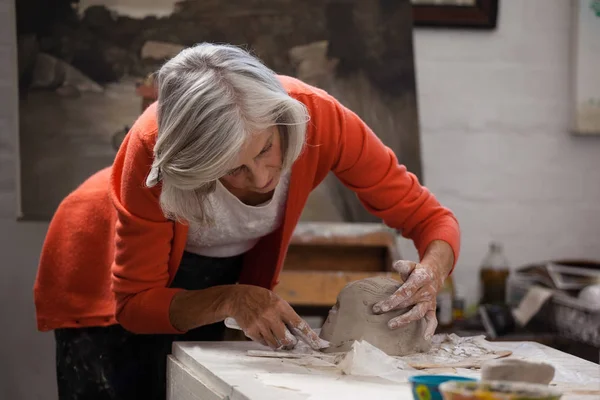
426	387
497	390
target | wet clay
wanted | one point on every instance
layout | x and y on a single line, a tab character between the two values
517	371
352	318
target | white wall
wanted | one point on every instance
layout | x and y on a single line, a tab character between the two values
494	109
26	357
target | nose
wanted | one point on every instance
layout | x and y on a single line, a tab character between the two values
260	175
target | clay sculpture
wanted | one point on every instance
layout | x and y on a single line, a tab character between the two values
352	319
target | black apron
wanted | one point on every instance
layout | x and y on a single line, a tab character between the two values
112	363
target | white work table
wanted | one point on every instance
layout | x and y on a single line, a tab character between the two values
224	371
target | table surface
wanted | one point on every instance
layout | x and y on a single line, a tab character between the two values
229	373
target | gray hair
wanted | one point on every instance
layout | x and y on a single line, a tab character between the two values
211	100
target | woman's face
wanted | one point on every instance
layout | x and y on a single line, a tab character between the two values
258	167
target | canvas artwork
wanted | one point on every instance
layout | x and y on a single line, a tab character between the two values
456	14
83	65
445	2
586	68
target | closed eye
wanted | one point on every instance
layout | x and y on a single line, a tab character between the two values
236	171
266	149
241	167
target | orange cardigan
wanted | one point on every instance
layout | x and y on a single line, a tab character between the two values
110	254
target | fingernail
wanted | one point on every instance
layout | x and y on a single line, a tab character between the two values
428	337
393	325
376	309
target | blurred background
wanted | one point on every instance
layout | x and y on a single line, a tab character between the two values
495	105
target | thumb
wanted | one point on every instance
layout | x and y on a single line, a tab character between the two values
404	268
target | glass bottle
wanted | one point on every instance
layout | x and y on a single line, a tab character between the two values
493	274
445	299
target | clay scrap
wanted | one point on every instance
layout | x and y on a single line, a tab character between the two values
515	370
352	319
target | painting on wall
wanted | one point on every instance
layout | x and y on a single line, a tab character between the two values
82	64
586	68
469	14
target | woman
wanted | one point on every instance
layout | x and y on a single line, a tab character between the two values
192	222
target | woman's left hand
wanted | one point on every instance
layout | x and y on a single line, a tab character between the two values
422	282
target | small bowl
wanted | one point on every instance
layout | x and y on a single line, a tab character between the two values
497	390
426	387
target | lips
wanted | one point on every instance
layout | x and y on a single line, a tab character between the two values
267	185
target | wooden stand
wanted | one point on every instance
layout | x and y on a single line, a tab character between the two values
324	257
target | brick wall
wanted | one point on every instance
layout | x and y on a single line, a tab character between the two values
494	114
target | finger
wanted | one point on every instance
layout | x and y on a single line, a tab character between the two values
404	268
398	300
425	294
301	329
432	323
256	338
403	295
278	329
290	341
270	339
304	332
415	314
311	338
283	336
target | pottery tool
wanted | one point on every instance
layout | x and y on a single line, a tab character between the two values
301	347
290	354
232	324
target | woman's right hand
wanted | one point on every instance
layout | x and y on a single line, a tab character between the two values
268	319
